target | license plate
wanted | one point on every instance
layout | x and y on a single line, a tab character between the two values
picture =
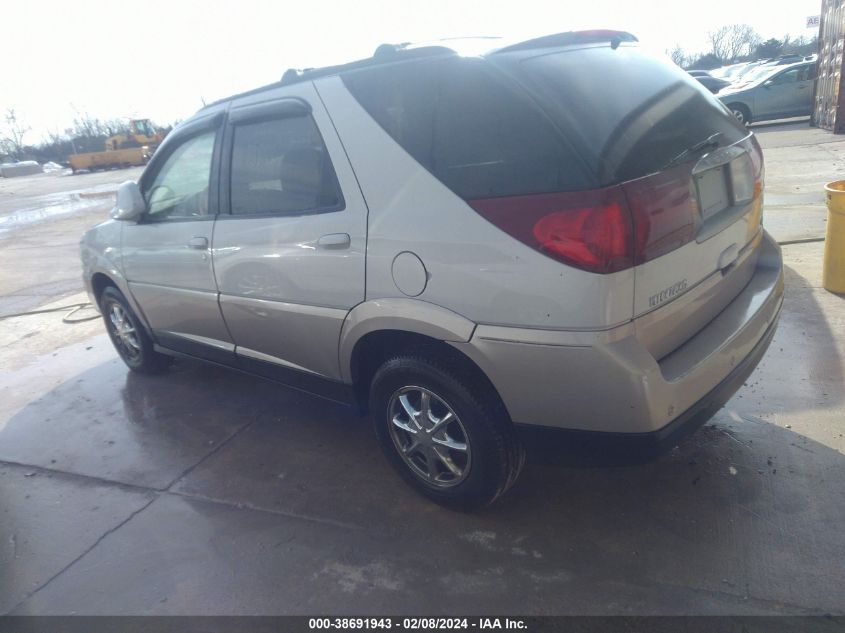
712	188
728	185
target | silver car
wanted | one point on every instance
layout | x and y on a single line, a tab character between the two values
555	244
772	92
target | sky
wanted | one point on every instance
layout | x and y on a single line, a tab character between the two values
160	59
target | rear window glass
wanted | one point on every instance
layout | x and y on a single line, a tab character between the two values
475	131
627	112
281	166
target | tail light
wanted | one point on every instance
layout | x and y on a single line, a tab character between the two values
605	230
664	211
758	166
590	230
608	230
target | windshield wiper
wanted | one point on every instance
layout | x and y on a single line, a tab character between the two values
710	142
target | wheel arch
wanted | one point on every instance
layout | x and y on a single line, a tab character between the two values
99	282
376	347
377	330
744	106
101	279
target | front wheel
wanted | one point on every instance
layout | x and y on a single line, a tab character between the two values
445	432
741	112
128	336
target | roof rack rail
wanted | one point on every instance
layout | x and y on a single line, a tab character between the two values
572	37
384	54
383	50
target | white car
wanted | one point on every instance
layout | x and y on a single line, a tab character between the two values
558	241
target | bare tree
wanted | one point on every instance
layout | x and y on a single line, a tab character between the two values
678	56
13	134
87	126
801	45
733	41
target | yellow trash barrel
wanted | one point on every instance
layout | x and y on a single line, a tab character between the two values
833	272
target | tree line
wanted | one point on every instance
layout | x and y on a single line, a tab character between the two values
87	134
740	43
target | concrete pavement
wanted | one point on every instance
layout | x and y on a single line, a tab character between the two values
799	161
42	218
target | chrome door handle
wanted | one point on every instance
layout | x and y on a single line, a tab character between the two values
334	240
198	243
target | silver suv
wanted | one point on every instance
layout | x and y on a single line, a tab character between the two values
557	243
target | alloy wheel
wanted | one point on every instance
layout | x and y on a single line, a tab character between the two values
429	436
124	332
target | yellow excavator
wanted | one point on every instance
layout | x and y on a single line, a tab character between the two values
122	150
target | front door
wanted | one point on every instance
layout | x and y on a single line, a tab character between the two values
784	94
167	253
289	254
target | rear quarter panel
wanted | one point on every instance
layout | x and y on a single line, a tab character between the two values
473	268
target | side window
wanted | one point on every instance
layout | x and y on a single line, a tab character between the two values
180	188
808	73
788	77
490	143
281	166
469	127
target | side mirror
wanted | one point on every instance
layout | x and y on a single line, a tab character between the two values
130	203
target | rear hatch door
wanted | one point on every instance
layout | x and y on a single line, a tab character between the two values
692	174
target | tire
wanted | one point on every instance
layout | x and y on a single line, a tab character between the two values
128	336
492	457
741	112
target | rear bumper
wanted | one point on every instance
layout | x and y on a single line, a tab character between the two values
596	446
609	383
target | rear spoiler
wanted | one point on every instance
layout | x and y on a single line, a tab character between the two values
572	37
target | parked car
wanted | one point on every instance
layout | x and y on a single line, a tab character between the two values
484	253
713	84
728	72
773	92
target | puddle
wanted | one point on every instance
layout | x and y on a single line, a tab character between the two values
53	205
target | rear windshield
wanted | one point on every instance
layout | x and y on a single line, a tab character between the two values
627	112
474	129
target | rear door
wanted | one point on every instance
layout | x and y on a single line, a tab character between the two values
166	254
782	94
289	246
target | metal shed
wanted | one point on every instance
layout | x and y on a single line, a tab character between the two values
829	101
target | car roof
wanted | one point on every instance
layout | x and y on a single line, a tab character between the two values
776	70
484	46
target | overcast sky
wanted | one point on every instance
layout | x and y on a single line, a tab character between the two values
159	59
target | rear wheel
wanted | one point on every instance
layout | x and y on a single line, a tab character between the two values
447	434
128	335
741	112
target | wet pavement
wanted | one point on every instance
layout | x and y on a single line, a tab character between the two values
207	491
42	218
204	491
